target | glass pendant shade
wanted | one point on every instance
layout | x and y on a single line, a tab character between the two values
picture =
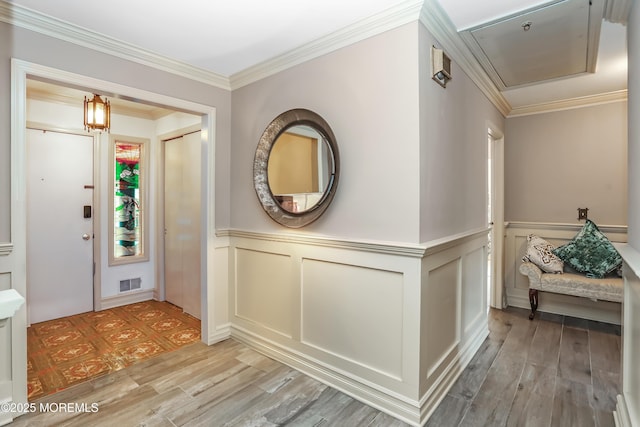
97	114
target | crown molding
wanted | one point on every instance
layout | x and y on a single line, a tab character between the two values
434	18
23	17
396	16
568	104
428	12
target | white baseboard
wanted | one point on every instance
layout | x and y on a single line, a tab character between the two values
621	414
220	334
438	391
126	298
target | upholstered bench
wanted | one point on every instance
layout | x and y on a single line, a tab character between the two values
609	288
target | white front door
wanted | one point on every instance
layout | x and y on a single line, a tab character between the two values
182	222
59	236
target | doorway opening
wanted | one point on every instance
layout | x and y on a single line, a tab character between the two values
490	219
495	218
181	183
21	72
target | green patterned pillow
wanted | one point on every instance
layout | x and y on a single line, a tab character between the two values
590	252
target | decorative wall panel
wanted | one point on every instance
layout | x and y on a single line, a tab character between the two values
264	289
627	413
631	345
343	306
440	314
6	354
474	290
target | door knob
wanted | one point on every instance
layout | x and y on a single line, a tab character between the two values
85	236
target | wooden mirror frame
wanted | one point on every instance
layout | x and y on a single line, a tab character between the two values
279	125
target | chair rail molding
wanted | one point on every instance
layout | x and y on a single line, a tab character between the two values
382	247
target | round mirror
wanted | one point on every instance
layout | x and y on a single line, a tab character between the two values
296	168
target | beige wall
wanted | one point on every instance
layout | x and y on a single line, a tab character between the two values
453	150
368	93
413	155
560	161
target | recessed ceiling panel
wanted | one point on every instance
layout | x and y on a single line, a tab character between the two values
546	43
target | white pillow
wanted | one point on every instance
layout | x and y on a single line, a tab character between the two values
540	253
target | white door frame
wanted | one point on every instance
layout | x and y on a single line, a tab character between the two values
20	70
496	297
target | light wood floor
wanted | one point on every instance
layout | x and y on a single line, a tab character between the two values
547	372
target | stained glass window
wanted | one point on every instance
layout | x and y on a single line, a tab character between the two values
128	202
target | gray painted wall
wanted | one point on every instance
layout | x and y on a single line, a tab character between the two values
560	161
453	150
413	155
368	93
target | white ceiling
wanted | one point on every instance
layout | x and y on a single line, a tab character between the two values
229	36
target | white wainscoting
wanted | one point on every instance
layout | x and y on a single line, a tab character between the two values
517	285
454	312
627	413
392	325
6	388
13	357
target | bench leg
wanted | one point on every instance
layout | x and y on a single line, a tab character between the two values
533	300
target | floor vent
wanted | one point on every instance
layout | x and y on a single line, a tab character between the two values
130	284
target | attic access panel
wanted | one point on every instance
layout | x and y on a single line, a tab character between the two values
551	41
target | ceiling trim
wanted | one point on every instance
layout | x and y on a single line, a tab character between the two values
428	12
434	18
568	104
22	17
396	16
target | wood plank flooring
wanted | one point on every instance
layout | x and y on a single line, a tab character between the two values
551	371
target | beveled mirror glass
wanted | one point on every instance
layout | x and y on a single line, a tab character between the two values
296	168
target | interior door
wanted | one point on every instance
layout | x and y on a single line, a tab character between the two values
182	222
59	234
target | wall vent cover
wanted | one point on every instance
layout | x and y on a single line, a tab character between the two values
130	284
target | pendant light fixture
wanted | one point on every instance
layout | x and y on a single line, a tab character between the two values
97	114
